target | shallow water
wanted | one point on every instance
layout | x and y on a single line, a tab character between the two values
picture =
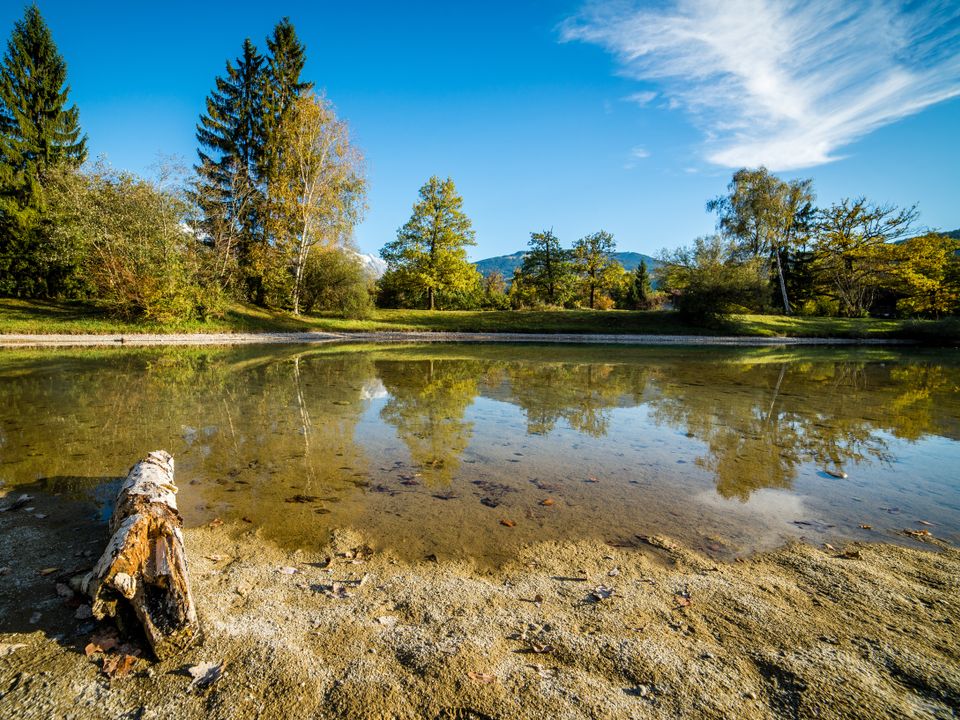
438	449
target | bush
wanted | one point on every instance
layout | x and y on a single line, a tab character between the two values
138	256
336	281
708	279
819	306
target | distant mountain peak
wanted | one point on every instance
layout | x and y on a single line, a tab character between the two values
374	265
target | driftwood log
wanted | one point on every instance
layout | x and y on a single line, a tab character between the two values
144	567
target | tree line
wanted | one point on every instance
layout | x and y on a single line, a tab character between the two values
776	251
265	216
427	266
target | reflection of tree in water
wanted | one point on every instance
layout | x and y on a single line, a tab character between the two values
288	418
428	401
581	394
761	422
231	418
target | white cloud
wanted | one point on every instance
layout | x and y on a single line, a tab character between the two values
641	98
636	153
779	82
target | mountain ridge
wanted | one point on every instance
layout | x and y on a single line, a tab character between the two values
506	264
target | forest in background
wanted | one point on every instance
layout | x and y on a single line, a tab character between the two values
266	217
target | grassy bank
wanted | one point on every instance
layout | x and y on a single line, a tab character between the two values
37	317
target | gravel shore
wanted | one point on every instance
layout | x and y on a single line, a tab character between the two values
565	630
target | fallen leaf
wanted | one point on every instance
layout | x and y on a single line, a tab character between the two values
592	479
547	502
919	534
483	678
924	522
682	601
102	642
215	523
118	666
10	648
866	527
204	675
47	571
507	523
828	546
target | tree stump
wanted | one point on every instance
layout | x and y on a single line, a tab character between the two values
144	567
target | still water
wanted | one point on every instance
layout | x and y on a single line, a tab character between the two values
467	451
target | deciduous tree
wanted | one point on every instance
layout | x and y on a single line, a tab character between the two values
594	264
547	268
927	275
767	217
316	187
854	258
429	255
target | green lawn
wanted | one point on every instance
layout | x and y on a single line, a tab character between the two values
20	316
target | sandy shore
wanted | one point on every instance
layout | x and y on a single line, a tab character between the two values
566	630
287	338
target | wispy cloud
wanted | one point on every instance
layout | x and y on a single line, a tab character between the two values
636	153
641	98
779	82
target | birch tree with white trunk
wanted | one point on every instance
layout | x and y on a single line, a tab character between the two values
316	188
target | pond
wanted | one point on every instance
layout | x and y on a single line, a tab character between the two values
469	451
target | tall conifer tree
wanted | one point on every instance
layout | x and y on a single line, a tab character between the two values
38	132
231	137
282	84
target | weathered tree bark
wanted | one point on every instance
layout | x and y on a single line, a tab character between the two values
144	567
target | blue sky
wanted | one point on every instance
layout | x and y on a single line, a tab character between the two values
571	115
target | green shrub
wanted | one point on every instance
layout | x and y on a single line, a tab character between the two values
336	281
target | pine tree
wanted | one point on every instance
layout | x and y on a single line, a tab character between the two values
638	296
229	189
38	133
282	84
429	255
38	130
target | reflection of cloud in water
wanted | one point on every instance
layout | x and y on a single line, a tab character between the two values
373	390
770	513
